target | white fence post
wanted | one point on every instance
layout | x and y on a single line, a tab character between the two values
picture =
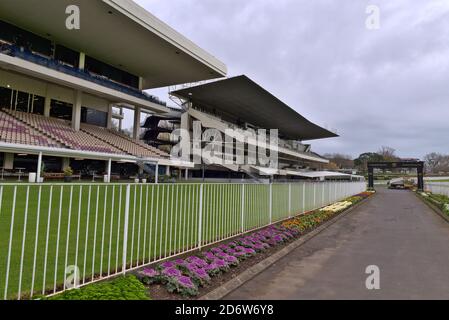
125	230
200	222
243	208
289	200
271	203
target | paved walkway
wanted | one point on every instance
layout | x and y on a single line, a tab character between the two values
394	230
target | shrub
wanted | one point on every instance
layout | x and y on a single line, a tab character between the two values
122	288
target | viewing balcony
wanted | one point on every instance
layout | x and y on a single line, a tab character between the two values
16	52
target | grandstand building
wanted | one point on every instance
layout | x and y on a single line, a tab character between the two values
240	103
59	87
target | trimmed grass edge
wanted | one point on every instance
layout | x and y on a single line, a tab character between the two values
434	207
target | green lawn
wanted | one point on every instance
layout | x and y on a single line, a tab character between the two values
84	225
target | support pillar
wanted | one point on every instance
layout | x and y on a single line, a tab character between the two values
65	163
82	61
109	170
167	171
39	167
47	107
156	174
8	161
370	178
109	124
187	174
420	179
76	111
186	140
136	127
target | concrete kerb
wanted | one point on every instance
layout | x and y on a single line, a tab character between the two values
249	274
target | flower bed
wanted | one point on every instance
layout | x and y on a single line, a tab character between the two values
186	277
441	201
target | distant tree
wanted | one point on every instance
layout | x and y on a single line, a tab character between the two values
361	162
436	162
388	153
342	161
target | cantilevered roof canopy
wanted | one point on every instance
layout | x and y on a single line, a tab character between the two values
120	33
243	100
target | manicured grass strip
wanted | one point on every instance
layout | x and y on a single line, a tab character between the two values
121	288
84	225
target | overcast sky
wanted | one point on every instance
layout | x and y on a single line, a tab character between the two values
388	86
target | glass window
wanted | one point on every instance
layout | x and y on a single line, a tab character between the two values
95	117
61	110
23	101
38	105
23	38
67	56
103	69
5	97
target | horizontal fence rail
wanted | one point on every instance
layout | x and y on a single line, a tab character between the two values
95	231
438	188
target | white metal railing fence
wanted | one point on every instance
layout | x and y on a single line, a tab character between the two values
47	231
438	188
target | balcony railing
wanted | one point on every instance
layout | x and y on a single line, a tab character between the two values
53	64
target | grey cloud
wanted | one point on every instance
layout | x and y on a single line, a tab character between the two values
384	87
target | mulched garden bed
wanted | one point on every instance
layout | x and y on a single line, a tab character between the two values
159	291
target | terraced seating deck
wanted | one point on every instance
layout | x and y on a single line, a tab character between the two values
31	129
14	131
122	142
61	131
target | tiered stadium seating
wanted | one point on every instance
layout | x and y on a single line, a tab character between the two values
61	131
13	131
122	142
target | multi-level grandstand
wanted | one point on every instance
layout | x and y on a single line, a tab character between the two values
240	103
59	87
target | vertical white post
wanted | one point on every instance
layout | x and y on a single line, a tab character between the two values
289	200
187	174
271	203
303	198
156	178
39	168
109	170
125	227
243	208
200	222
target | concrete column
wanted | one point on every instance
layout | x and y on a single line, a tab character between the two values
187	174
109	125
76	112
39	167
82	61
109	170
186	138
47	106
8	161
167	170
140	83
156	178
136	127
65	163
120	123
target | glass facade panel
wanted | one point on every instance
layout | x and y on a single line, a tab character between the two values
23	102
5	97
61	110
38	105
94	117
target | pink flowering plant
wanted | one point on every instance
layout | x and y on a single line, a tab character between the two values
186	276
